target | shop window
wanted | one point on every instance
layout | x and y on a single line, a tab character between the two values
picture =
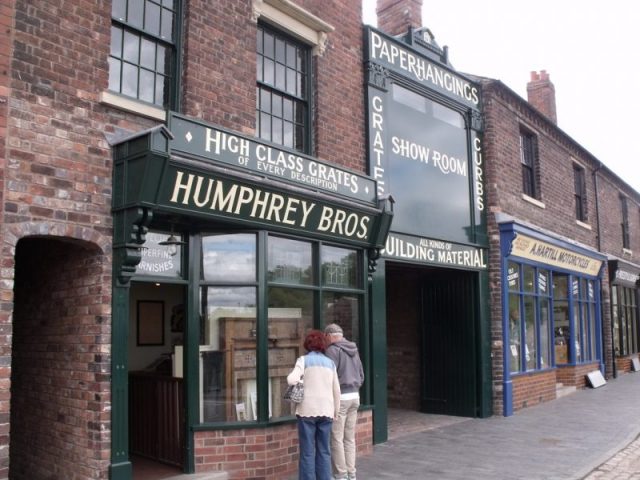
529	162
580	192
625	315
143	50
624	209
236	326
529	299
283	91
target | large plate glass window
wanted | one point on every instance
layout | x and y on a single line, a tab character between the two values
228	353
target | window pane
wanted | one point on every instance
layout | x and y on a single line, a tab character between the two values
343	309
276	106
513	276
166	29
119	9
114	74
287	109
268	45
135	13
291	81
229	345
280	77
162	91
287	134
148	54
340	267
290	261
514	333
130	80
131	47
116	42
528	274
290	317
276	130
291	56
561	321
163	60
147	85
530	348
543	282
269	73
152	18
265	126
544	333
594	334
229	258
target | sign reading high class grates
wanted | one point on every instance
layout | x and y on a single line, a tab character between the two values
212	143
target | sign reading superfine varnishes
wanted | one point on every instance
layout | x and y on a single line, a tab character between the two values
209	142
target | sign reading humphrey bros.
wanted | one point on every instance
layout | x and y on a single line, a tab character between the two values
206	141
212	194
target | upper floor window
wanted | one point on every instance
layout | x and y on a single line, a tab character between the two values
529	161
580	189
143	50
625	222
283	91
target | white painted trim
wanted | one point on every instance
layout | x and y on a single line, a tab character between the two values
132	105
532	200
627	251
295	20
583	225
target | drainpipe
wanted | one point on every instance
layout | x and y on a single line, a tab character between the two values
599	246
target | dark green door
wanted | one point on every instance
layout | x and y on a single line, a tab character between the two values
449	302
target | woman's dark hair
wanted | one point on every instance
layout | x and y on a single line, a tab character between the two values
315	342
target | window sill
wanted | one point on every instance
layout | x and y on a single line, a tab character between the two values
533	201
133	106
627	251
583	225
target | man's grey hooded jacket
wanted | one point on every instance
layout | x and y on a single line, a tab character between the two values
350	373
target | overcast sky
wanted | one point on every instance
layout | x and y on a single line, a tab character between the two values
590	48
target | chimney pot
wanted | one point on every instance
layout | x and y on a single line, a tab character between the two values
542	94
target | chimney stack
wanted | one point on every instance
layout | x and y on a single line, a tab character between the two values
396	16
542	95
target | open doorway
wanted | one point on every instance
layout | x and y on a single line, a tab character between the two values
156	388
431	339
59	362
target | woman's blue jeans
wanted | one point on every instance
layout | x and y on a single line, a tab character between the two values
314	434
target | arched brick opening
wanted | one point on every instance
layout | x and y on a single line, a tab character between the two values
60	361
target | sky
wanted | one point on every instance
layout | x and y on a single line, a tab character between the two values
589	48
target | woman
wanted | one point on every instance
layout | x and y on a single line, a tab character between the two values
318	408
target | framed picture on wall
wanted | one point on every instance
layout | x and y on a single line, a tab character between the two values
150	323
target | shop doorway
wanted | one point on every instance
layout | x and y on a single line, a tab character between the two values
432	340
156	384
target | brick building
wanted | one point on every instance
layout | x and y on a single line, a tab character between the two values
564	261
187	189
184	194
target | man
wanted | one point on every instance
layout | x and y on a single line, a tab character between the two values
351	376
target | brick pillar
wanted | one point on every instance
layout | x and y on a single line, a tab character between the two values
396	16
542	95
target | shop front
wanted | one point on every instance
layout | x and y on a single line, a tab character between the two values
227	251
430	319
551	321
624	279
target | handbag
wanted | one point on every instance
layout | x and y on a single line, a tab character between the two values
295	393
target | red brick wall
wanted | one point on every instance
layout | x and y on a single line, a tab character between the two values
533	388
403	339
576	375
396	16
61	370
268	454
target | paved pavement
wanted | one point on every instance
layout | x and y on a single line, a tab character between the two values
592	434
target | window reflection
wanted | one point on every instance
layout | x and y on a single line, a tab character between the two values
343	309
290	261
340	267
229	258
